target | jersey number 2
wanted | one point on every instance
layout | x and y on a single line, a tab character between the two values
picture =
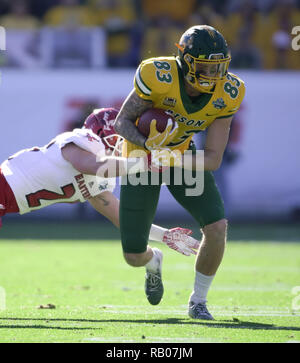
34	199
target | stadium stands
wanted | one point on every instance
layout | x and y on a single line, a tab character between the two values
119	33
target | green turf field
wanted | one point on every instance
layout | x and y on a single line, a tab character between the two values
98	298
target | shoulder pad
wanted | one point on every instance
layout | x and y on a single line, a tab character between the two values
84	138
154	76
233	90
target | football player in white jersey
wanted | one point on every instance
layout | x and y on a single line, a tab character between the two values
73	167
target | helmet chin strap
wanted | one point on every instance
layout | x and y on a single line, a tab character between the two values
200	88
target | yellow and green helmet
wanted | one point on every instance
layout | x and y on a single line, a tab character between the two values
204	57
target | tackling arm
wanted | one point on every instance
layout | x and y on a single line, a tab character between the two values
108	166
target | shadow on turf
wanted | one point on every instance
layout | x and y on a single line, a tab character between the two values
228	324
42	327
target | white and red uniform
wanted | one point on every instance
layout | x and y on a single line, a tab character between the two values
35	178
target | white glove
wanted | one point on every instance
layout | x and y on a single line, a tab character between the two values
179	239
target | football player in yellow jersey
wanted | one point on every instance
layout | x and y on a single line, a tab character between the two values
201	94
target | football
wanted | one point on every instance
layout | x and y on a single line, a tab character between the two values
161	116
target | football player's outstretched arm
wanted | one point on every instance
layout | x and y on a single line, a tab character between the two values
131	109
103	166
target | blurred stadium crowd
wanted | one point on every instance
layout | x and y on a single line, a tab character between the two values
119	33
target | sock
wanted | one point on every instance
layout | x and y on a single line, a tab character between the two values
154	263
201	287
157	233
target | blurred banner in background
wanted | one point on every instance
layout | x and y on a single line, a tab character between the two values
65	57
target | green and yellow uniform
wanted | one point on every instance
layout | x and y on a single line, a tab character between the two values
161	80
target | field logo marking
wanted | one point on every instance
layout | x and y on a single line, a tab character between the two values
296	299
2	298
296	39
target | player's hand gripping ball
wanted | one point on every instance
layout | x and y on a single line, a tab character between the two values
158	126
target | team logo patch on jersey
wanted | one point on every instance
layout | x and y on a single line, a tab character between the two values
219	103
103	185
169	101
